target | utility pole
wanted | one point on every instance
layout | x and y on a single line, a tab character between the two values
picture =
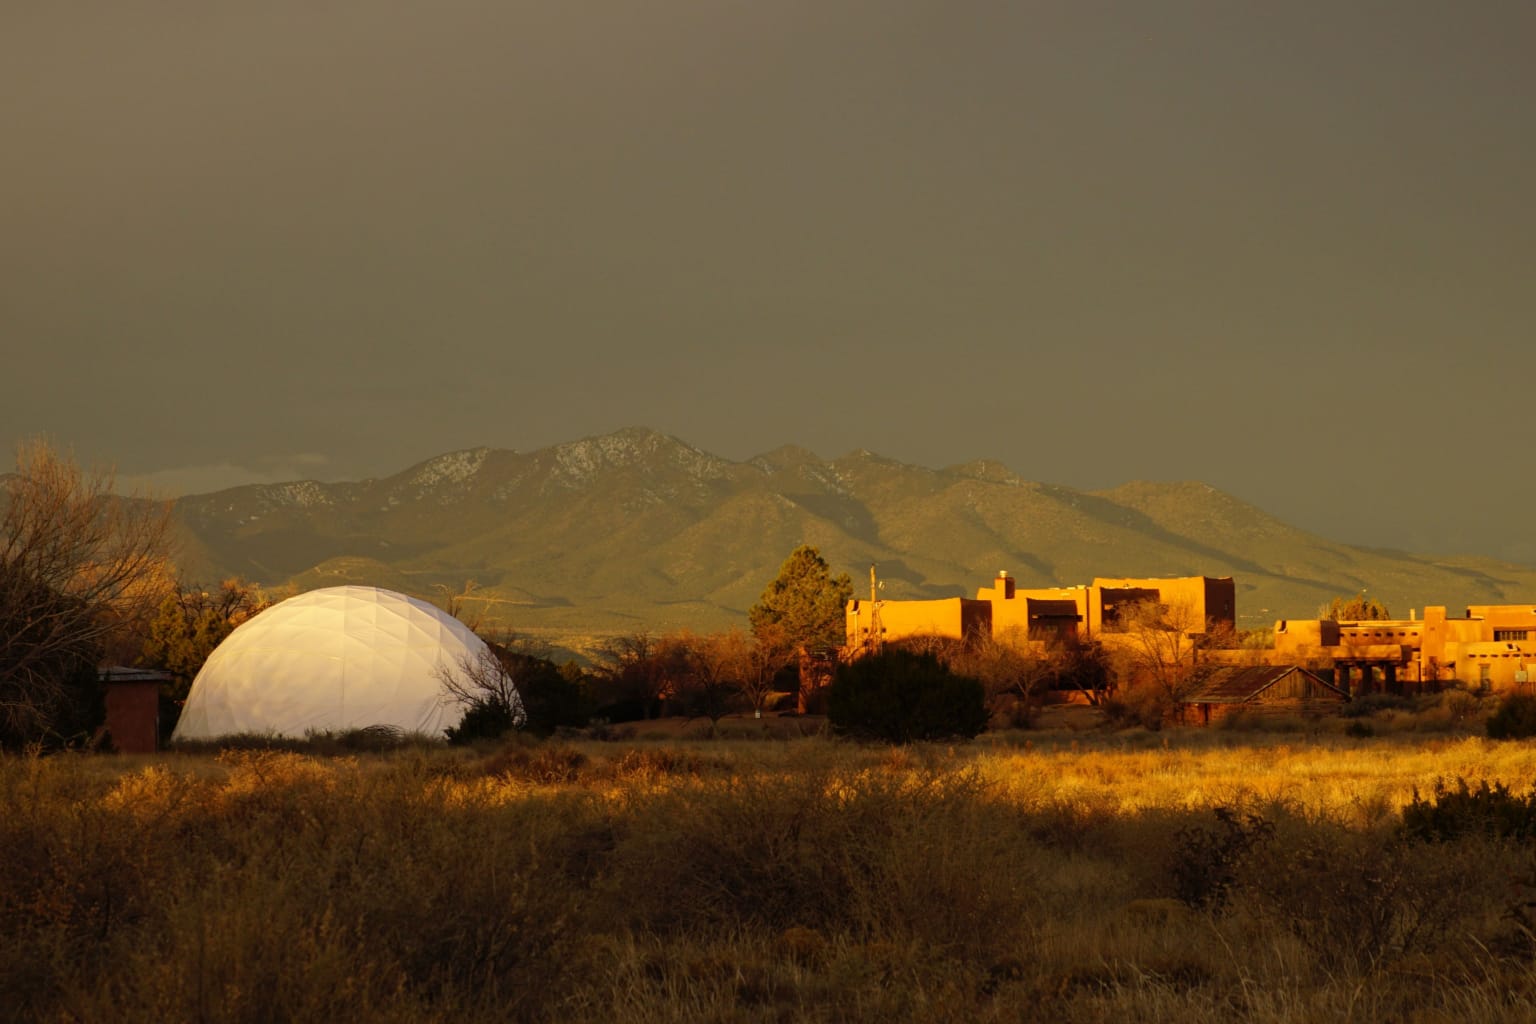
875	640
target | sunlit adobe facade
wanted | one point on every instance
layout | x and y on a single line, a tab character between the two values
1489	646
1200	604
1492	646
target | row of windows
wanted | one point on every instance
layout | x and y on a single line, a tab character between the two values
1498	634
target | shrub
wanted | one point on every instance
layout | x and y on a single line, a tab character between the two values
1356	900
489	720
1491	811
901	696
1136	707
553	696
1375	703
628	709
1451	709
660	761
1515	719
1205	861
548	765
374	738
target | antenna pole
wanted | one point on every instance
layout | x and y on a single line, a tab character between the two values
874	610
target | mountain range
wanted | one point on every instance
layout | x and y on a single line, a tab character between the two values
637	530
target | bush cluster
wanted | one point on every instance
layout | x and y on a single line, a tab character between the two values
1489	810
490	719
1515	719
1375	703
1206	862
901	696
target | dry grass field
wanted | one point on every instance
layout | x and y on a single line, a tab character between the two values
1044	875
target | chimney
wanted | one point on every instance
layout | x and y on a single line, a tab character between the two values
1004	585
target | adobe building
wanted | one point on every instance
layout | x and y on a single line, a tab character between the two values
1201	604
1491	646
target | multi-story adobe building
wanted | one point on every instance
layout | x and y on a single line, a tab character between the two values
1490	646
1198	604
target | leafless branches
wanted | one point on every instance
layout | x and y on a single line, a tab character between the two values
1160	648
76	560
480	682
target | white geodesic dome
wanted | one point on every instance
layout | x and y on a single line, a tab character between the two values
331	660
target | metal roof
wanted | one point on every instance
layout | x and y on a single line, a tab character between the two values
123	674
1236	685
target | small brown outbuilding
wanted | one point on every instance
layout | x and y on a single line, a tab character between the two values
133	708
1261	690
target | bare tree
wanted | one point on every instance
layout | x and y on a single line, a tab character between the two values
1159	650
641	668
454	603
1014	671
942	647
75	563
480	683
758	661
713	666
1081	666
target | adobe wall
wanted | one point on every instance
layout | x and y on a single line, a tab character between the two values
1011	617
1305	636
1211	601
1495	666
1500	618
953	617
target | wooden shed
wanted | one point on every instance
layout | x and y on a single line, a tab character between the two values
1261	689
133	708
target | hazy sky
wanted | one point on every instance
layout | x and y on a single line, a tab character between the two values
1285	248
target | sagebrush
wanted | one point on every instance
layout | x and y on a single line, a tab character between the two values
801	880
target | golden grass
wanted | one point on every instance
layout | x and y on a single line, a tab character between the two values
1027	877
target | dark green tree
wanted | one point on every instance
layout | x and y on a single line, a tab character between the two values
805	606
903	696
554	696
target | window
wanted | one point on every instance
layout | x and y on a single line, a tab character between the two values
1510	634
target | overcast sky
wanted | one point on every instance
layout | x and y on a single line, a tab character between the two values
1285	248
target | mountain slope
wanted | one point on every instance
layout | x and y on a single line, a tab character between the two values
637	529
